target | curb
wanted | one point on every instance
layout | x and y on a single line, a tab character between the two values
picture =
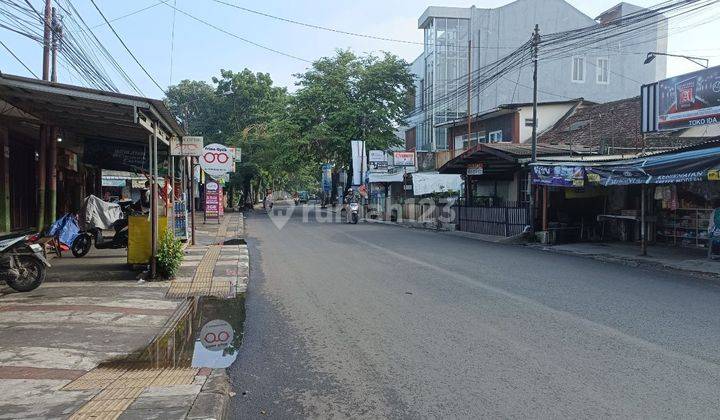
213	401
630	262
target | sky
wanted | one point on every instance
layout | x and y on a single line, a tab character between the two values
199	52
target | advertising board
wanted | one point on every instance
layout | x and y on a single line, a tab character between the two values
689	100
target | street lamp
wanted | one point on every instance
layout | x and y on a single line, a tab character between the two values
697	60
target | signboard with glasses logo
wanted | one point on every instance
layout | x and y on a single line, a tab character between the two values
217	160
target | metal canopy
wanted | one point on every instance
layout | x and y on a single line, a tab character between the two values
89	112
499	158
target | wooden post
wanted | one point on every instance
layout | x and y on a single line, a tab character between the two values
643	229
546	191
153	202
41	176
5	220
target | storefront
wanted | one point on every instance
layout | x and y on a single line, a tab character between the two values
667	197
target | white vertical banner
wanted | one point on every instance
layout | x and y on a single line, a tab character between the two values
359	165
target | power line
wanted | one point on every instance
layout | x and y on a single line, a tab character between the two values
349	33
126	47
130	14
217	28
172	42
18	59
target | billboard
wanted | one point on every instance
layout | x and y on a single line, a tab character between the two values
404	158
689	100
217	160
188	146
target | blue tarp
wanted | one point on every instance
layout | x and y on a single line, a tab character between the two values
65	228
667	168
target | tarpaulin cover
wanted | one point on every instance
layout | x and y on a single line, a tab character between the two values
686	166
65	228
98	213
430	182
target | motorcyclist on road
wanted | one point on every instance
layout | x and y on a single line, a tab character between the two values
350	197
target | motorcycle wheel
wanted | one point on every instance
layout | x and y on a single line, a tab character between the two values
81	246
354	218
32	274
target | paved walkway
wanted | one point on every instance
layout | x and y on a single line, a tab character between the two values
112	347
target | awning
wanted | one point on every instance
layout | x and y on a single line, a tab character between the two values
375	177
430	182
663	168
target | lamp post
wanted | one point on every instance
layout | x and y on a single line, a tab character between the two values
697	60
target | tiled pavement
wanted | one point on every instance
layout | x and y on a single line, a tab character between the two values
58	334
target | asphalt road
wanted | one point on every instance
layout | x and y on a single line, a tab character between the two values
381	321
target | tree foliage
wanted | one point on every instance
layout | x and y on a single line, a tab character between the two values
285	137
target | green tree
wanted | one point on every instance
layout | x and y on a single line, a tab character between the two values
349	97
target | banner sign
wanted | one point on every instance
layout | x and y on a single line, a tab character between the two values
216	160
115	155
689	100
327	177
188	146
404	158
558	176
359	159
689	166
212	199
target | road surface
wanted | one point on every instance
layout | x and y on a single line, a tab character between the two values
376	321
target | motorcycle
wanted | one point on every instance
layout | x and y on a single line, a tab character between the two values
22	264
354	207
96	216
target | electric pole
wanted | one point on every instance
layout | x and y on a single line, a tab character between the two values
56	31
469	72
533	153
45	133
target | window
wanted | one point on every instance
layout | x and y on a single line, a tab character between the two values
495	136
603	71
578	69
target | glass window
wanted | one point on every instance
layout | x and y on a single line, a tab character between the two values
603	71
578	69
495	136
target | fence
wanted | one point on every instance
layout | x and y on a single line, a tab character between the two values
506	220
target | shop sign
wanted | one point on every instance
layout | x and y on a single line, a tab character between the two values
378	156
115	155
216	160
689	100
558	176
216	335
188	146
404	158
212	199
475	169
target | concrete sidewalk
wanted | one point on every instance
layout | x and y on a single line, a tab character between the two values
104	345
692	261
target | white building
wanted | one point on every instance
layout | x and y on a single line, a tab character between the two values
600	73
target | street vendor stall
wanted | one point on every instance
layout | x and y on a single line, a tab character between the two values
673	192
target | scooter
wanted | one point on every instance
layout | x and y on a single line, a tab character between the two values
85	239
354	207
22	264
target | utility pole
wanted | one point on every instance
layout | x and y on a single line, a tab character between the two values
469	72
533	153
44	130
56	30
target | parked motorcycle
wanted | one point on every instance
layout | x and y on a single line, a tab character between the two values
22	264
96	216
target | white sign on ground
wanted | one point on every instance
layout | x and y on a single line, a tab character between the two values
216	335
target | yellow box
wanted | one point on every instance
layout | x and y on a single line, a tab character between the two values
140	238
